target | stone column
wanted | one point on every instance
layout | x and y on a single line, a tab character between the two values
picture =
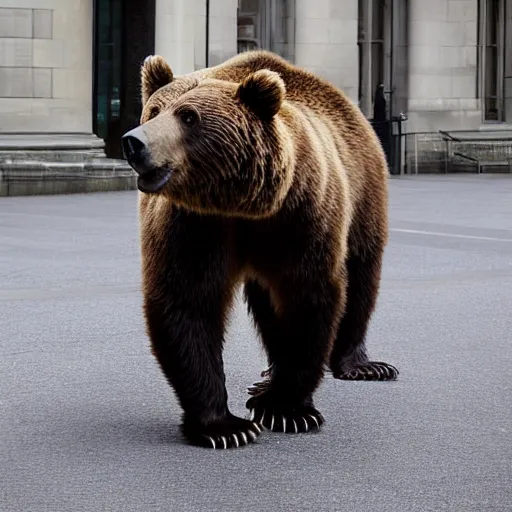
223	30
326	41
180	34
443	65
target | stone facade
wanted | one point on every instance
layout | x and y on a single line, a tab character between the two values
45	66
440	62
326	41
443	65
46	55
180	33
47	61
46	87
222	30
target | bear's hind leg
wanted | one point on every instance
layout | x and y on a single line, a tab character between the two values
349	360
296	340
260	307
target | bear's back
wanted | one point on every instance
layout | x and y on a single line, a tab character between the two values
303	88
317	98
358	145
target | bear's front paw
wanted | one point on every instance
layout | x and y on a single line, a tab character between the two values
229	432
280	418
371	370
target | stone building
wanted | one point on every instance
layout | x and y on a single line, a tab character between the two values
69	69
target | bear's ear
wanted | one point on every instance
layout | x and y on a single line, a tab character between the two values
263	92
155	73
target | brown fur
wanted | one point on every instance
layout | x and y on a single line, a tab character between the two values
280	184
154	74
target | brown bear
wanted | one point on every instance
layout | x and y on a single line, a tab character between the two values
257	172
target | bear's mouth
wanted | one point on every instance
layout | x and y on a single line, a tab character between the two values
154	180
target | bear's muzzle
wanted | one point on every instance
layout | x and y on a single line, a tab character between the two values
151	179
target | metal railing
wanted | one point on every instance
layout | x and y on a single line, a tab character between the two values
425	152
443	152
478	150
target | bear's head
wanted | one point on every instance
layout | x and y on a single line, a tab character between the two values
212	146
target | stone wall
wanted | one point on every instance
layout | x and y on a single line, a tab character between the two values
181	33
45	66
326	41
223	30
443	65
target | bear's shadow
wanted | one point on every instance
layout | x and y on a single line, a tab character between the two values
100	429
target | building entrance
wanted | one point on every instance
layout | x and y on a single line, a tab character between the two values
124	34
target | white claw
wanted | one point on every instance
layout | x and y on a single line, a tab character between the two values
236	440
244	437
315	420
252	434
295	425
306	423
272	423
253	414
263	416
257	427
224	442
213	442
284	424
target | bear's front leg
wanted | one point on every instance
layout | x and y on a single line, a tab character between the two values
297	337
187	342
187	289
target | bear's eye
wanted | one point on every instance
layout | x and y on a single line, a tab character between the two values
154	111
188	117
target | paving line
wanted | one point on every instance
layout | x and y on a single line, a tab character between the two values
452	235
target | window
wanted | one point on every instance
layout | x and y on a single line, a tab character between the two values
267	25
374	50
252	33
491	39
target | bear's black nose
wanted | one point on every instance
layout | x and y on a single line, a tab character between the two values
135	151
132	147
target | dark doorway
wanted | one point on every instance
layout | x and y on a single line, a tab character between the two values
124	34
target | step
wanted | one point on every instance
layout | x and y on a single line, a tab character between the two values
31	177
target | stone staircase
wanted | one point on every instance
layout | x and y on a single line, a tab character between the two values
38	164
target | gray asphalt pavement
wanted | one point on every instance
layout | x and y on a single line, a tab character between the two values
87	422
